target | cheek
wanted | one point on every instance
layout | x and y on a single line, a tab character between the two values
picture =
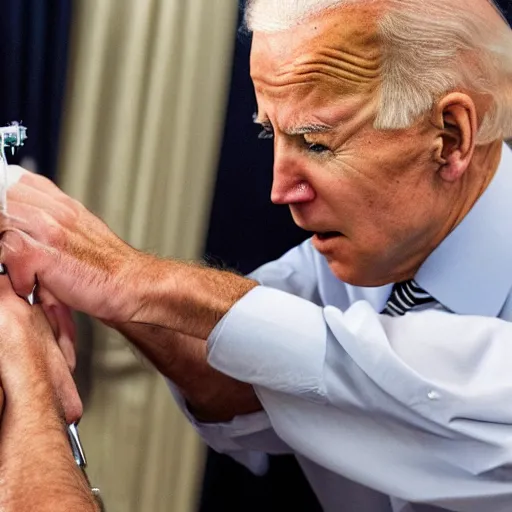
378	222
359	202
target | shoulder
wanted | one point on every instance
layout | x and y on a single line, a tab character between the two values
296	272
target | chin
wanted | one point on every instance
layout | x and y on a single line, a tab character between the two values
346	273
356	275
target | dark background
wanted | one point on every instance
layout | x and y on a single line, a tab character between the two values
34	40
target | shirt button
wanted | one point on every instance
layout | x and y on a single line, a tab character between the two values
433	395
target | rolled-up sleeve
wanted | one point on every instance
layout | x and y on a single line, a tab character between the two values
416	407
249	438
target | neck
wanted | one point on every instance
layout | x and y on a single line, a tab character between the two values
478	176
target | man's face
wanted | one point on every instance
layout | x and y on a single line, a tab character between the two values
371	197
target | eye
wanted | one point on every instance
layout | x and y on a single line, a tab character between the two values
316	148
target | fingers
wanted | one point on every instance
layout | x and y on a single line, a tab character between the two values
36	206
17	175
61	320
5	286
58	314
7	292
48	237
42	225
38	182
62	383
61	359
58	366
73	407
59	205
29	354
23	257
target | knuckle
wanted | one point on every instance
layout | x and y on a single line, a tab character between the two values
43	179
73	205
16	254
53	230
12	239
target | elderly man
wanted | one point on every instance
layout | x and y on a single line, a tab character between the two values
378	351
38	397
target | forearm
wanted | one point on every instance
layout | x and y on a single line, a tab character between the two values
211	395
37	469
185	297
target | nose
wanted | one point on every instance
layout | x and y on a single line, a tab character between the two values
290	185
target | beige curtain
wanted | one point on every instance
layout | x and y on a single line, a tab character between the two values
143	121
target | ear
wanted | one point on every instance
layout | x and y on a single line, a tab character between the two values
455	116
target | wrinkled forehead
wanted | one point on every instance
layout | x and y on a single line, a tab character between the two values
340	46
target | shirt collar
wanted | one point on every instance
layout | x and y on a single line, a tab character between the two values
470	272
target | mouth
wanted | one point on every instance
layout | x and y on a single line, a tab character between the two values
327	235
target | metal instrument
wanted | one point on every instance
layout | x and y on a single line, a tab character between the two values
79	455
11	136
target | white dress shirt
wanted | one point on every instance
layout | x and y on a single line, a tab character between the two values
417	408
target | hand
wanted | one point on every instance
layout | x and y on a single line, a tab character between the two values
60	318
33	371
50	239
74	257
36	462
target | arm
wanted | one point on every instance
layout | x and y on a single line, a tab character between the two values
166	308
37	469
426	395
211	396
339	388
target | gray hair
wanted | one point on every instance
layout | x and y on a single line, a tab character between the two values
430	48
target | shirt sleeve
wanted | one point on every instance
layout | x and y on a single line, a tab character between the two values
249	438
416	407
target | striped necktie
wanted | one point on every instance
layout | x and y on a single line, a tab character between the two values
405	296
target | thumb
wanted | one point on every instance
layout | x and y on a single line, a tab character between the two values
61	319
23	257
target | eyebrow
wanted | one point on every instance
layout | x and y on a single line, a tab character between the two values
308	128
296	130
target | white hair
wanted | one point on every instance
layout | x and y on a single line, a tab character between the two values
430	47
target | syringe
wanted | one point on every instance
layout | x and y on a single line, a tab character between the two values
11	136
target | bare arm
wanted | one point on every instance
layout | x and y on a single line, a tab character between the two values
37	469
78	259
184	297
211	395
178	305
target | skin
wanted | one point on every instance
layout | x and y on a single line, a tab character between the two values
37	469
394	195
